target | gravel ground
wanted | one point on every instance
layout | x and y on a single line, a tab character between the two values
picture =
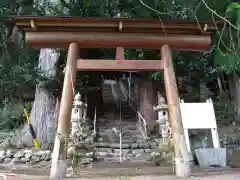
226	176
198	174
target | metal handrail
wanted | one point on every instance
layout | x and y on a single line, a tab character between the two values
142	124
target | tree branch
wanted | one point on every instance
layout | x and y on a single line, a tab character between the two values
218	15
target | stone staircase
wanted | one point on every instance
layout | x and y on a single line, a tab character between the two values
108	144
111	92
120	117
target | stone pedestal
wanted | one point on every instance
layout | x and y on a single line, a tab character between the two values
208	157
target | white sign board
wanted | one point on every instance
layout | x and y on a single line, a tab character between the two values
198	115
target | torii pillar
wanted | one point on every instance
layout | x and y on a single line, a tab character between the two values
181	157
59	158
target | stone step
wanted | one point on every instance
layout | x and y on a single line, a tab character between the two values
117	159
124	145
117	125
117	118
108	152
126	137
126	131
105	140
124	151
131	125
125	134
125	157
130	134
109	136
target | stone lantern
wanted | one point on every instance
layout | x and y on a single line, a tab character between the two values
79	113
81	149
162	116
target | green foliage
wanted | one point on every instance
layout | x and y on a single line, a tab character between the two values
227	50
231	11
224	110
227	62
19	73
12	115
22	71
157	76
18	63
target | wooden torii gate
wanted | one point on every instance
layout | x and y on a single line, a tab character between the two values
77	33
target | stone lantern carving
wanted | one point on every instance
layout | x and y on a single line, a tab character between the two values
79	113
81	148
162	117
81	130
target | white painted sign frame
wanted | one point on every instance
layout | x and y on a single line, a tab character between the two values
199	116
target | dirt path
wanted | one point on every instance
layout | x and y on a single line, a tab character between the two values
156	173
226	176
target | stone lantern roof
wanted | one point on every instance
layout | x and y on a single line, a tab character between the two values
78	102
161	103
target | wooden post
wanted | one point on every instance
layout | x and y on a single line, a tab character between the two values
120	54
182	165
59	160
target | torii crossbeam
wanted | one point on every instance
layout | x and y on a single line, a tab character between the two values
77	33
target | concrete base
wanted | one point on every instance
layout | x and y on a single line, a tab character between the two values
235	159
208	157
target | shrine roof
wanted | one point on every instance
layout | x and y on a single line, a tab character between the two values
72	24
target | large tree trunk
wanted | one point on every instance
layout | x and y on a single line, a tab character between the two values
95	100
236	94
230	87
204	92
147	99
45	109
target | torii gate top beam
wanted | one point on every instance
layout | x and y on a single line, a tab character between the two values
58	32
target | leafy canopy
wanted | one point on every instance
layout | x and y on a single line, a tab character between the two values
227	54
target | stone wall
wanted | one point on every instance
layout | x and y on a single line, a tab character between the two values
26	156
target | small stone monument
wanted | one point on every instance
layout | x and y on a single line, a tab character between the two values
81	135
79	112
162	118
165	147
